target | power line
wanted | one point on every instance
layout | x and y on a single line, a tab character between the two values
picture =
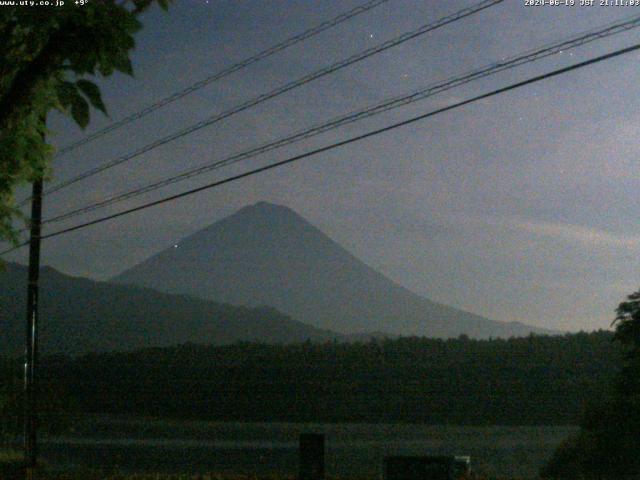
332	146
355	116
281	90
226	72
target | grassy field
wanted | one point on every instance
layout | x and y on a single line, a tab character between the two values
44	474
11	469
110	448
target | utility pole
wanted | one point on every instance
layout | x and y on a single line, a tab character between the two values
31	346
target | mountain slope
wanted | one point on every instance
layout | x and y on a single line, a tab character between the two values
79	315
267	254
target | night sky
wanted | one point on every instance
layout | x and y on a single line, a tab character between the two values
520	207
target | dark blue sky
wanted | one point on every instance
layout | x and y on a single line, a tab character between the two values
521	207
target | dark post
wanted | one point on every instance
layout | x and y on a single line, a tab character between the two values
311	456
31	347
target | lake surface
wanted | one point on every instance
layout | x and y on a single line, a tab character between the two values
135	445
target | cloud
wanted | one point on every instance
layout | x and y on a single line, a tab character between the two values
584	236
590	237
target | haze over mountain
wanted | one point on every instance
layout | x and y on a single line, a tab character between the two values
267	254
78	315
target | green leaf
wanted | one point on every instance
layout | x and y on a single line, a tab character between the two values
92	92
80	111
123	64
131	24
105	69
66	92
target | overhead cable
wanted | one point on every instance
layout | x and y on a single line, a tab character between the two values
342	143
355	116
277	92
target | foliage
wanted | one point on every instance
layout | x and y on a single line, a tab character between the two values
47	52
54	405
606	446
628	334
516	381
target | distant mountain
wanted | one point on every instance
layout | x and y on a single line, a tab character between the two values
79	315
267	254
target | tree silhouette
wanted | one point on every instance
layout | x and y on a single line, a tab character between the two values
46	54
628	334
606	446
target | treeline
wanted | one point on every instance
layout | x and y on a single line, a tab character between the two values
524	381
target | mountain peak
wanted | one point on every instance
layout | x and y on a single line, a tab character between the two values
266	205
267	254
263	219
266	209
